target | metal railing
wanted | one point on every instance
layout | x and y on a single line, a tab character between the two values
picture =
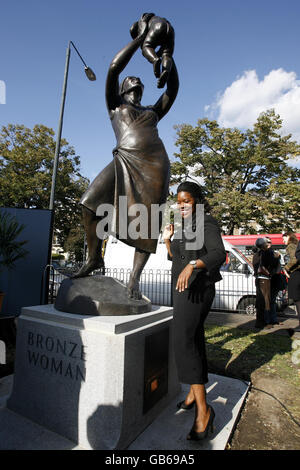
235	293
156	284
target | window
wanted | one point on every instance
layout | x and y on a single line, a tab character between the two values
232	264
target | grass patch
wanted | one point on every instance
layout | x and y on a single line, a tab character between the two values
238	353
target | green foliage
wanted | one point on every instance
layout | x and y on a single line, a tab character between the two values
246	174
57	256
74	244
10	248
26	163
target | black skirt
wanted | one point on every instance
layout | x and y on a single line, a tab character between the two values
294	286
191	308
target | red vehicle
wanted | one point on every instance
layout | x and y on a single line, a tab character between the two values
245	242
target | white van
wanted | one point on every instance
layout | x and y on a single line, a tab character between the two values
236	291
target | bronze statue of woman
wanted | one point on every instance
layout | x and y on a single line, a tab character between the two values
140	169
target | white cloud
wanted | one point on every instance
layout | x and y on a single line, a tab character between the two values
241	103
2	92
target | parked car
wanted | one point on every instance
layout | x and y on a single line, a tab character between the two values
236	291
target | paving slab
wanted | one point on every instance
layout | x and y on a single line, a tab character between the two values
167	432
236	320
19	433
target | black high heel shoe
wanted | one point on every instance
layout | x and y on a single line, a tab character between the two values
199	436
183	406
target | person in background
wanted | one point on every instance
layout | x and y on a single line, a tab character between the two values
292	269
276	283
263	264
260	300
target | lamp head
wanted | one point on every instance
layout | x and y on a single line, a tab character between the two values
90	74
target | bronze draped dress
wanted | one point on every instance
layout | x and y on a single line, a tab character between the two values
140	171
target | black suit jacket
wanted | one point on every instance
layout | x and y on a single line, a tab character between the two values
212	253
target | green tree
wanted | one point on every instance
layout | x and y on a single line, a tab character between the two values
74	244
26	163
246	174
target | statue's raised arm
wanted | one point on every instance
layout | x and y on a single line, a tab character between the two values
118	64
163	105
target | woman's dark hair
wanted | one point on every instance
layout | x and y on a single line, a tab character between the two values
292	237
196	191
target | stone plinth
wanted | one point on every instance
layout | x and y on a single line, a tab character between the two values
94	379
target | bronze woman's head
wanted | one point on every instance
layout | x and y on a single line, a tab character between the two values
130	83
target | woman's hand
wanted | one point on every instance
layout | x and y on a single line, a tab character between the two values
168	232
183	278
142	25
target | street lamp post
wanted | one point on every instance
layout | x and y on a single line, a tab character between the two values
91	76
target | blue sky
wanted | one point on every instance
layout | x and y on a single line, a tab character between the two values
234	58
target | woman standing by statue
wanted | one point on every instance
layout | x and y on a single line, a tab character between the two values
140	169
194	274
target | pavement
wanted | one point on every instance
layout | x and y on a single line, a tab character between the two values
289	321
169	430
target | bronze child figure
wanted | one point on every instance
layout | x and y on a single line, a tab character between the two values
161	34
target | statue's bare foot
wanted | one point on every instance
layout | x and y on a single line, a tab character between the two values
162	79
88	267
133	290
156	68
